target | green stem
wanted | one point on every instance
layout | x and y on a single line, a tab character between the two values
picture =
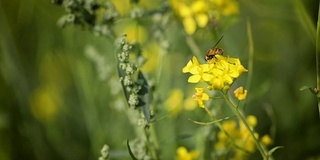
246	124
151	145
218	123
155	143
251	51
318	57
194	47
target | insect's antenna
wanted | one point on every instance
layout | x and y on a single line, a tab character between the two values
217	42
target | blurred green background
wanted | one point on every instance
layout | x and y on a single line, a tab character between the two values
55	104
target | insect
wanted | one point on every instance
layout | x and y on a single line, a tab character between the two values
214	51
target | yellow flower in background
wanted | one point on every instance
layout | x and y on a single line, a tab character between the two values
252	120
123	7
193	15
174	102
240	138
266	140
45	103
46	100
197	14
190	104
200	96
133	31
183	154
226	7
240	93
151	53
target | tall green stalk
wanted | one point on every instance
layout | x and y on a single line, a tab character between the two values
236	111
318	58
251	51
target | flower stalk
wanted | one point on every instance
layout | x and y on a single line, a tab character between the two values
236	111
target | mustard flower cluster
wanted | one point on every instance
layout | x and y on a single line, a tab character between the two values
241	143
198	13
219	73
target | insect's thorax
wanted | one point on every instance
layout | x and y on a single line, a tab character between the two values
212	52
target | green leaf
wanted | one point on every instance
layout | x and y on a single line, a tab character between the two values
211	122
305	19
121	73
130	152
312	90
144	96
274	149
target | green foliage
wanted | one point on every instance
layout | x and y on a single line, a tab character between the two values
130	152
62	100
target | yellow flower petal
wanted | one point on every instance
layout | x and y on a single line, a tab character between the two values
195	61
184	10
207	77
194	78
202	19
189	25
205	96
187	67
199	6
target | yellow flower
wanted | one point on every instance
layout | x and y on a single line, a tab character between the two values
151	53
134	32
189	25
199	71
252	120
193	15
174	102
45	103
200	96
240	93
123	8
191	65
266	140
241	138
183	154
224	71
197	13
226	7
220	72
189	104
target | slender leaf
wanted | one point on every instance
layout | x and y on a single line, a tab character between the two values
121	73
144	96
130	151
274	149
212	122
